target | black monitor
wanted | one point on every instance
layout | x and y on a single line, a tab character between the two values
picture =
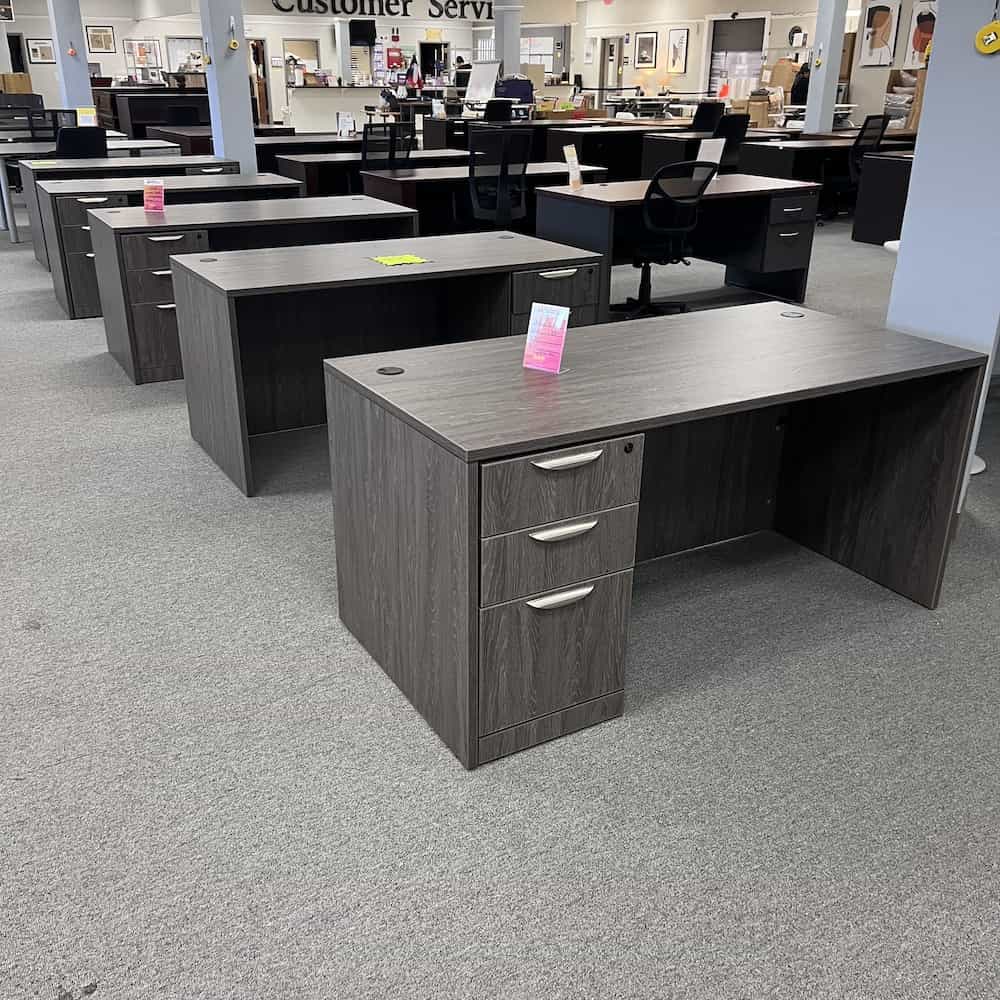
362	33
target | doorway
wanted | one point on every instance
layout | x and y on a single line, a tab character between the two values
16	45
433	57
259	85
737	53
611	64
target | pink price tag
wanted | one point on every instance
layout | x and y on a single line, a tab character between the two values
152	195
547	326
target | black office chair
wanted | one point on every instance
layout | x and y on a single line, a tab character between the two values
669	215
732	128
79	143
707	116
498	162
182	114
498	111
841	190
42	125
386	145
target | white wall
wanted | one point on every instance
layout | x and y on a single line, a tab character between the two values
868	83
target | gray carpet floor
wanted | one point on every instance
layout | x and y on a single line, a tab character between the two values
210	791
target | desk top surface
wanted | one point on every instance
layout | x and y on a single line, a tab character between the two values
355	157
26	150
900	154
140	164
192	182
461	172
752	133
723	186
199	131
809	144
478	401
246	213
622	128
307	139
288	269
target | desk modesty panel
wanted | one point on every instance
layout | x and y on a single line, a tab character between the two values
133	250
63	207
256	325
882	195
196	140
488	518
339	173
270	147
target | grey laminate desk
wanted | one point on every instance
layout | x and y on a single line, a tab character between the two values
488	518
51	169
761	228
256	325
63	207
133	248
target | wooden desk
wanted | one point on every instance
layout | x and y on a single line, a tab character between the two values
436	192
246	374
882	194
900	138
196	140
48	169
802	159
613	146
759	227
339	173
63	207
133	250
661	148
269	148
488	518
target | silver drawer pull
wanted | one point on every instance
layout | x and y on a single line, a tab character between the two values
560	600
165	239
211	170
86	229
169	307
89	256
799	209
162	274
564	531
789	236
566	272
568	461
92	201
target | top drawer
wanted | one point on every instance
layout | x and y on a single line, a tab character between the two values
521	492
142	252
560	286
797	208
72	210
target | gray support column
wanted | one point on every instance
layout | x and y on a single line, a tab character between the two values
228	77
67	34
828	44
948	272
5	64
507	34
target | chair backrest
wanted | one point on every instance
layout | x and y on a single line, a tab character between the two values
498	161
498	111
868	141
670	205
732	128
707	116
81	142
384	144
41	124
182	114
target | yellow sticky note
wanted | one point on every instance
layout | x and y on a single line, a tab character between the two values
43	163
400	258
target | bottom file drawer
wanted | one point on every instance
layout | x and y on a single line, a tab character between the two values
156	341
81	276
552	651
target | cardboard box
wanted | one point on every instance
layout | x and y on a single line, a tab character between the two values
15	83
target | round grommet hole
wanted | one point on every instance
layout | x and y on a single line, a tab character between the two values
208	260
390	370
506	236
793	315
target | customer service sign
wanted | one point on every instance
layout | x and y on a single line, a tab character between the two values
458	10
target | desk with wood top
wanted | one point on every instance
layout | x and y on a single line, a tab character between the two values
270	147
63	207
339	173
133	248
196	140
616	147
488	518
882	194
761	228
661	148
255	325
35	170
441	194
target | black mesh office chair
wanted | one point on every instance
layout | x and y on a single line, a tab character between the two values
707	116
732	128
498	162
498	111
840	189
81	143
182	114
386	145
669	215
41	125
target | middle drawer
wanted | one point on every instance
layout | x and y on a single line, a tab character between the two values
143	252
551	555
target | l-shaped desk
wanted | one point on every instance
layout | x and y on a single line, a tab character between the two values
488	518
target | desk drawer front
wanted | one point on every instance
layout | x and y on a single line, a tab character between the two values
552	651
155	331
76	239
558	484
798	208
142	252
557	286
788	247
71	210
556	555
219	168
155	285
81	276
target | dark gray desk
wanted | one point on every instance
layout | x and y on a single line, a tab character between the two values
488	519
616	147
661	148
63	206
196	140
882	194
761	228
439	193
339	173
51	169
802	159
133	248
256	325
270	147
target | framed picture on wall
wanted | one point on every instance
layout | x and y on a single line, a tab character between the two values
645	49
677	50
100	39
879	24
40	51
922	23
6	10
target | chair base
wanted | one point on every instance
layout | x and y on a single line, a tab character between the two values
635	309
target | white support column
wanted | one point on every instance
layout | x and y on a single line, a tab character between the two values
67	36
828	43
507	34
342	40
947	283
228	77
